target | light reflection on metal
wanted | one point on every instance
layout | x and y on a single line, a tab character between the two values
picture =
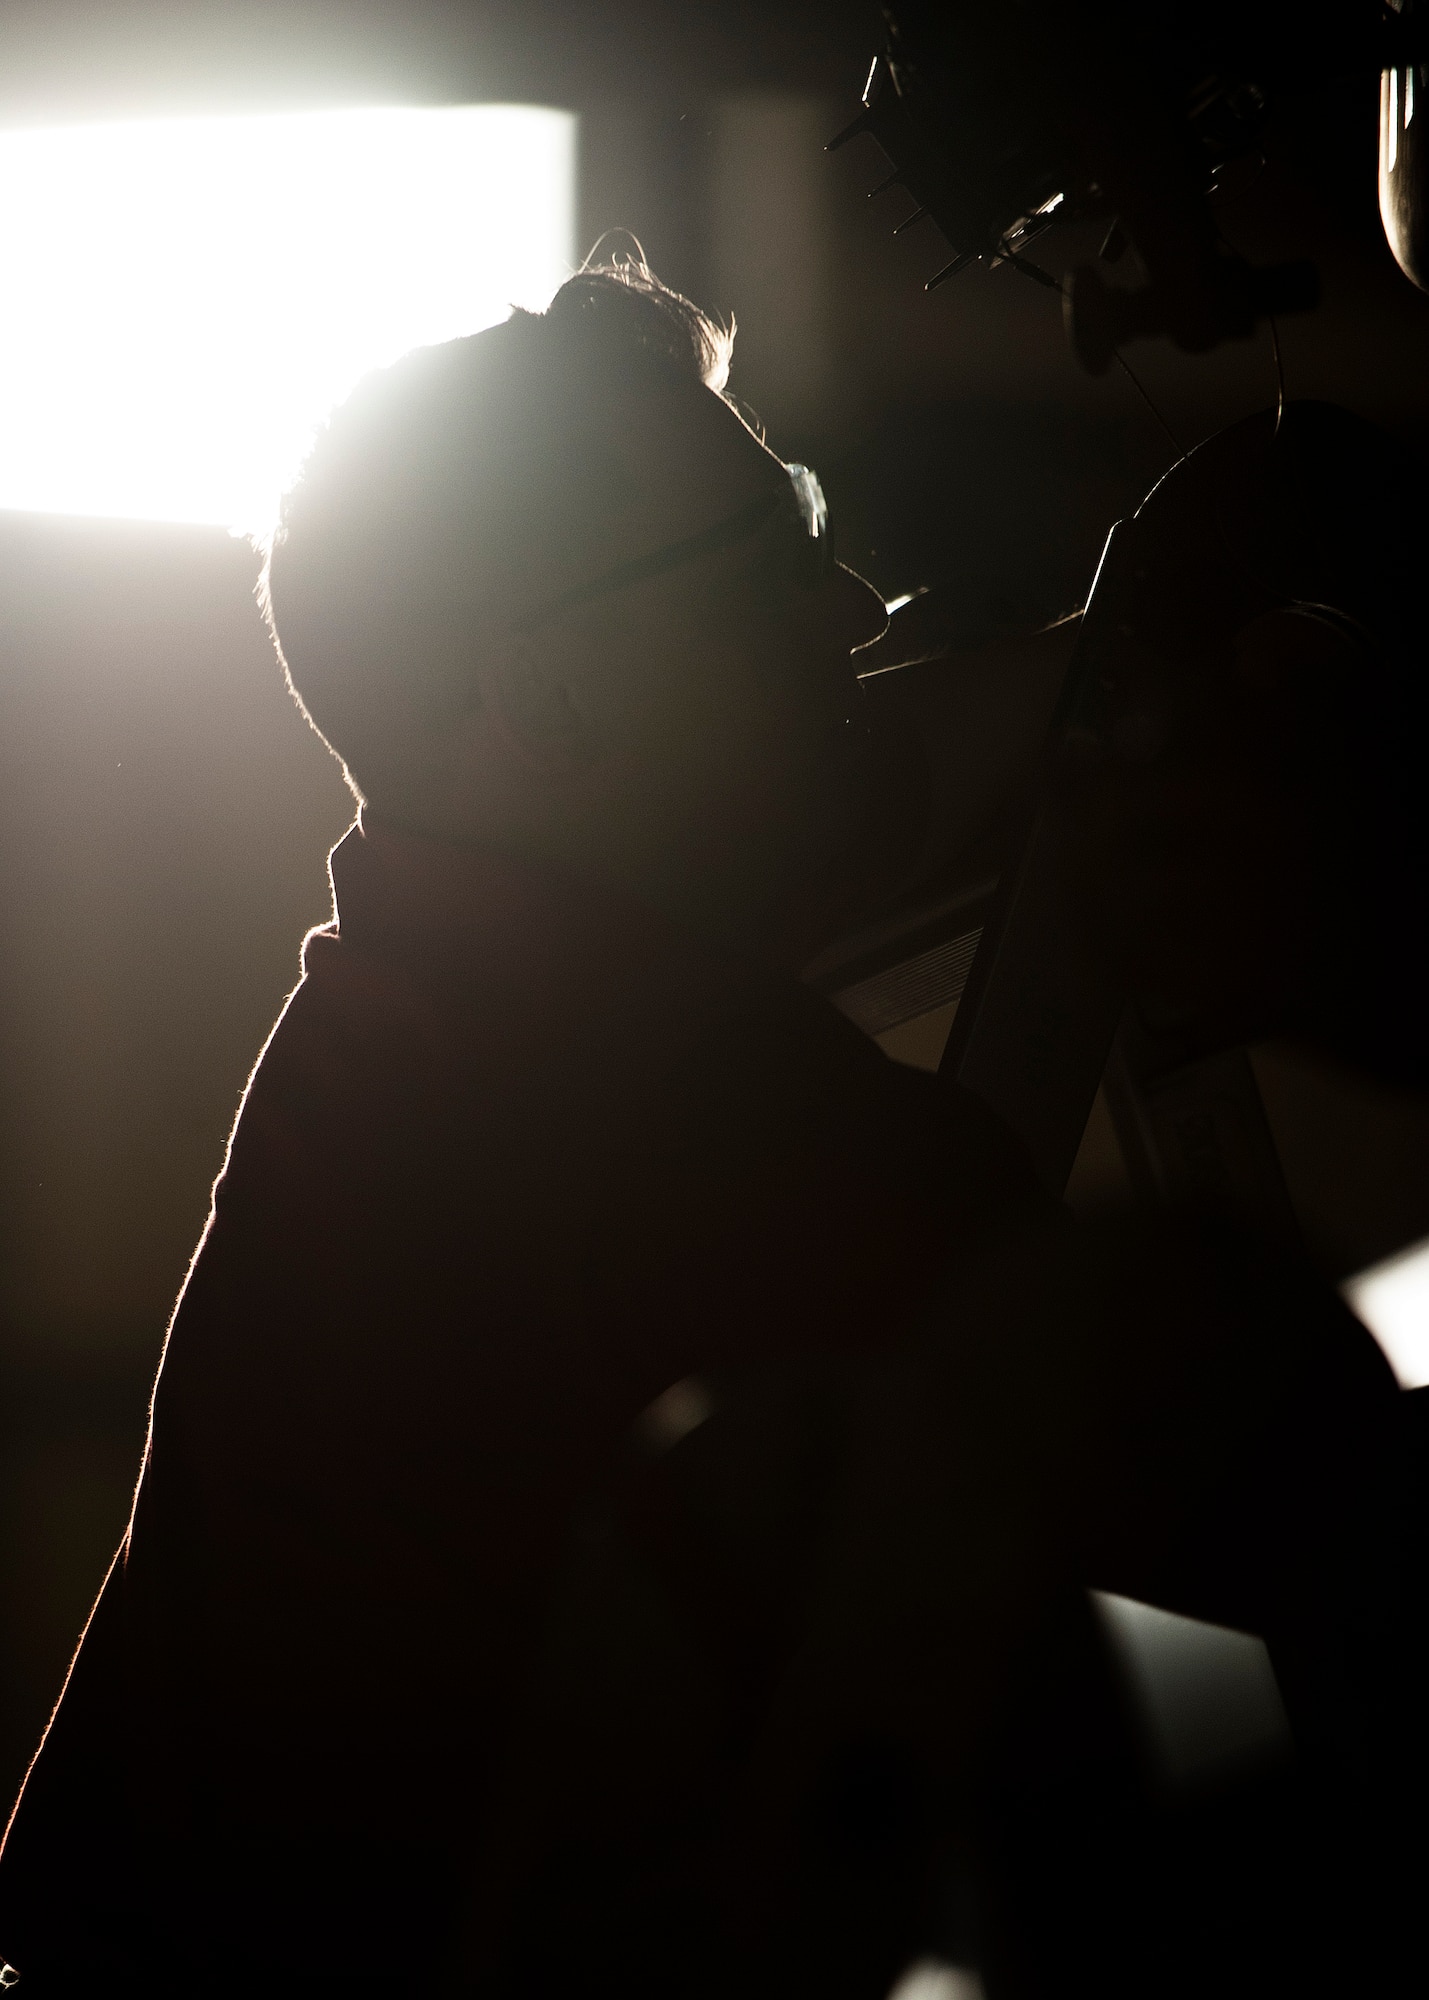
1404	173
1391	122
1392	1298
1208	1699
931	1979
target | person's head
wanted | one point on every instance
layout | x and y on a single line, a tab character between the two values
545	588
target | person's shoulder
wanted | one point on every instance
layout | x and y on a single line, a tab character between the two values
344	1048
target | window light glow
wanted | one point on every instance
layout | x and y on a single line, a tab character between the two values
1392	1299
186	297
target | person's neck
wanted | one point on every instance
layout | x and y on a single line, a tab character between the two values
744	925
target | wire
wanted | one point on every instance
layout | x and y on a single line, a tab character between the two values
1274	333
1125	367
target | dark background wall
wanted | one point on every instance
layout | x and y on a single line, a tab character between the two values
164	814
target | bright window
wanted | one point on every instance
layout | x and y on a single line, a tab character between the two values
184	298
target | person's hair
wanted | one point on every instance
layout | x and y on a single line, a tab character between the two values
452	474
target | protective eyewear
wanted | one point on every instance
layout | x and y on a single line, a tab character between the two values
810	543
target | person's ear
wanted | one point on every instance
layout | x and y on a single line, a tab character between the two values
541	710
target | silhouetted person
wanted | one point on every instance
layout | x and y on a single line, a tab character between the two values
412	1675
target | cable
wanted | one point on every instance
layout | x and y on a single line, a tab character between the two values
1272	323
1134	380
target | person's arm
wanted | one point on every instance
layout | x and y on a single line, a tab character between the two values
971	726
